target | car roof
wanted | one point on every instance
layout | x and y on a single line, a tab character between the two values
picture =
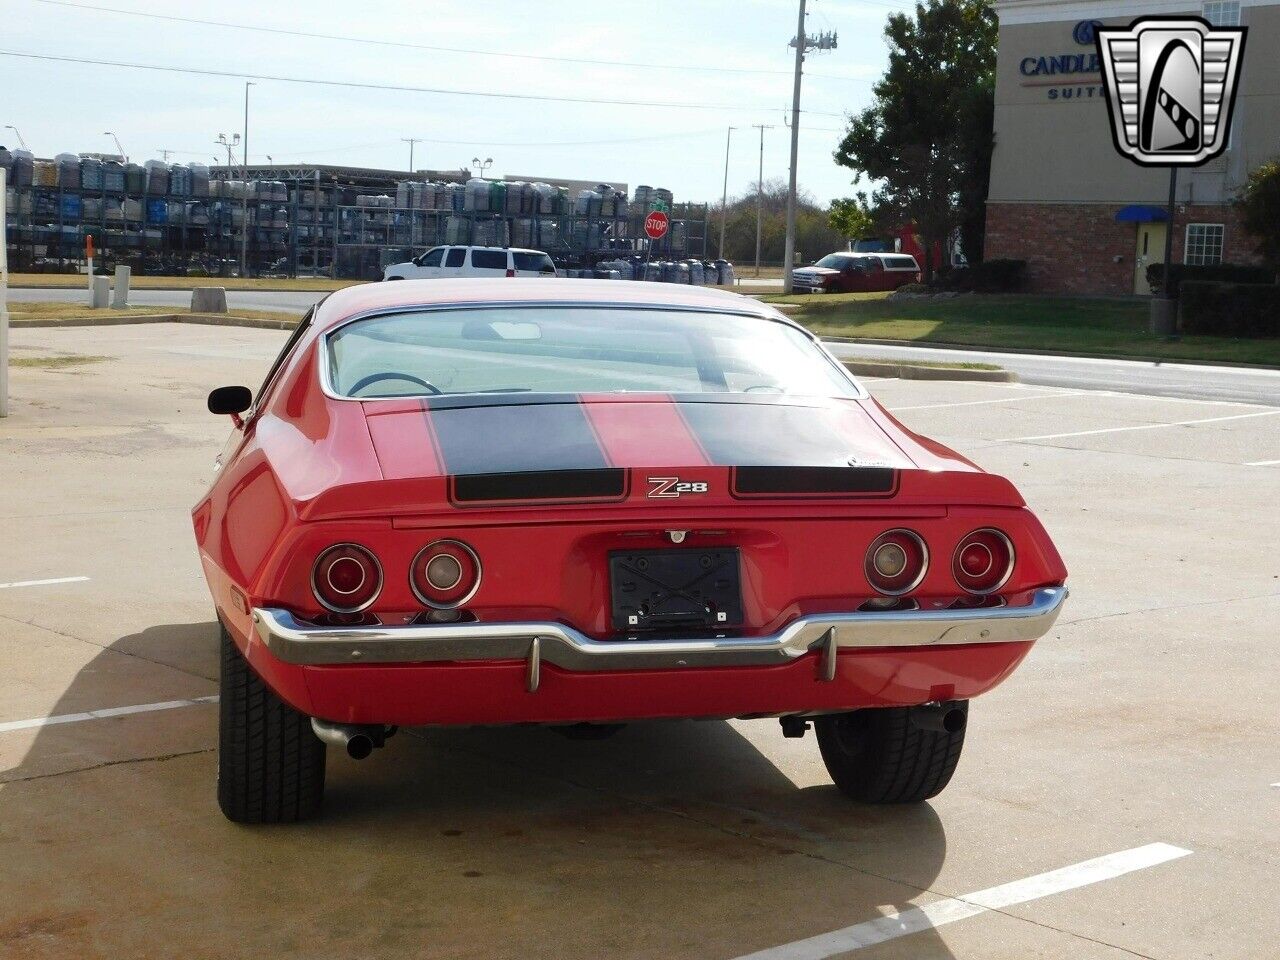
342	305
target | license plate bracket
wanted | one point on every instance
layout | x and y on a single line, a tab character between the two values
675	589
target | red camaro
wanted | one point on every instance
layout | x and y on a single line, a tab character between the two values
581	503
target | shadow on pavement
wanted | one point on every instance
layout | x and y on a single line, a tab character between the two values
668	840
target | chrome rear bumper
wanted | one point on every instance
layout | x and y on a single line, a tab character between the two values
295	641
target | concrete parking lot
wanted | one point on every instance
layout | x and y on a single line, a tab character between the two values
1140	740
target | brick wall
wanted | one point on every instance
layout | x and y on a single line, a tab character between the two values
1073	248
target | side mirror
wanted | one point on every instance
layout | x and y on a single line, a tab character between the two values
231	402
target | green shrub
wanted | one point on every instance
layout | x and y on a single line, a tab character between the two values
1221	272
1248	310
990	276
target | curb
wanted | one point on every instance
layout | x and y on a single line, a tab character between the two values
1031	351
910	371
208	319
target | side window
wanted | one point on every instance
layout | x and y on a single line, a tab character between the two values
489	259
433	257
457	256
303	325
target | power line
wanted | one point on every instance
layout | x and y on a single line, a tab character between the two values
486	94
405	45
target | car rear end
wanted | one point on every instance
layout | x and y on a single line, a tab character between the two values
899	269
675	568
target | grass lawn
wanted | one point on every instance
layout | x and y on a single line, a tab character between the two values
181	283
1058	324
75	311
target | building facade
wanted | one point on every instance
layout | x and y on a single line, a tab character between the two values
1087	220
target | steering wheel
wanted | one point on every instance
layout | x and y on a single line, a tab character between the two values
375	377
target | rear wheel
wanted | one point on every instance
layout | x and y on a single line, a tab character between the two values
882	755
270	763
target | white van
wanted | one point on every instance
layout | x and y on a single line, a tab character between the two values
472	262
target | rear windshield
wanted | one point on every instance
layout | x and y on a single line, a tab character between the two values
576	350
489	259
900	263
533	261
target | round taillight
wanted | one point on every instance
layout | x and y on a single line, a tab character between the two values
896	562
983	561
445	574
346	578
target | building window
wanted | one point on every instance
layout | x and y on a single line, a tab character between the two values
1222	13
1204	244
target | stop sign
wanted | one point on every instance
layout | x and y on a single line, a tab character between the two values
656	224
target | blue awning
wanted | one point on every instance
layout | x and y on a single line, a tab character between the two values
1141	213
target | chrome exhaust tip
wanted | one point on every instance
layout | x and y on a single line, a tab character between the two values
359	740
950	717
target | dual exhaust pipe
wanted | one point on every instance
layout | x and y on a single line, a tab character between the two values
358	739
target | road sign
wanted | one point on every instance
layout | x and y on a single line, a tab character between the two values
656	224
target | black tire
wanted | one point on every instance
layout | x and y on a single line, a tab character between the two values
880	755
270	762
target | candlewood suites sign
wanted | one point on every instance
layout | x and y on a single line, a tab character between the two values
1067	76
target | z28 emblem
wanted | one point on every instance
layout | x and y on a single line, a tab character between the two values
673	487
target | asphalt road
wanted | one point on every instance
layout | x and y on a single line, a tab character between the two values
1117	796
1200	382
1193	381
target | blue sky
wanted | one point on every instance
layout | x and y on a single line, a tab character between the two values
66	107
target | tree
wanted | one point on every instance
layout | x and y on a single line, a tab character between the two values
814	237
851	217
1259	205
925	140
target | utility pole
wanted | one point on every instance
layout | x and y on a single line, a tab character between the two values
410	141
760	193
244	202
802	42
164	154
724	195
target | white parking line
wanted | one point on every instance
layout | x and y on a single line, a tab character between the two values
1142	426
1263	463
11	725
949	910
41	583
976	403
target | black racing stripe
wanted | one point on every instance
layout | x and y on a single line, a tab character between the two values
767	435
540	485
515	438
813	481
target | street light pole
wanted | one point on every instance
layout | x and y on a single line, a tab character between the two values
724	195
119	149
22	143
244	201
760	193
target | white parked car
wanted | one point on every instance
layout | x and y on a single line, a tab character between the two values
454	261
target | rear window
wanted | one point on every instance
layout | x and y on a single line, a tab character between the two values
457	256
489	259
533	261
901	263
576	350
